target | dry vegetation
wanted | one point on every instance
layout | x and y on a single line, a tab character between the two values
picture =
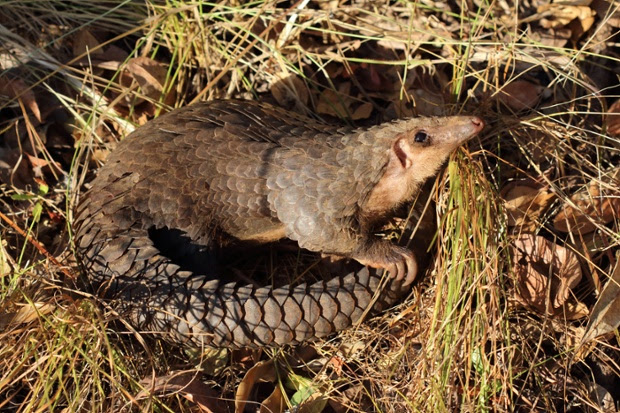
519	306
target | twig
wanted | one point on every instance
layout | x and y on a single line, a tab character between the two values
38	246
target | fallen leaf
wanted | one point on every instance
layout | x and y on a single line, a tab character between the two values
427	102
6	268
54	216
212	360
100	155
582	23
574	310
26	314
592	208
189	385
349	397
333	104
275	403
605	315
262	371
337	363
363	111
540	265
560	15
553	37
334	70
150	75
612	120
603	398
84	42
307	396
111	58
38	164
577	18
314	404
14	168
17	89
374	78
520	95
289	90
525	204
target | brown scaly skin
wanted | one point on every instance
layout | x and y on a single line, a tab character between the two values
254	172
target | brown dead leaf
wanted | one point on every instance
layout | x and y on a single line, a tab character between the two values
574	310
100	155
211	360
582	23
605	316
539	144
26	314
334	70
38	164
14	169
540	265
363	111
400	109
612	119
150	75
275	403
245	357
560	15
189	385
577	18
6	264
553	37
351	396
525	204
427	102
262	371
375	77
289	90
592	208
17	89
337	363
84	42
520	95
110	58
333	103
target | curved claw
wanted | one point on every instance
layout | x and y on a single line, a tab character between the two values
412	268
399	262
400	272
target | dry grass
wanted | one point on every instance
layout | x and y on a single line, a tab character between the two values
462	340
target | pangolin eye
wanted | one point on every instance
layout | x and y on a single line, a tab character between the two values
421	136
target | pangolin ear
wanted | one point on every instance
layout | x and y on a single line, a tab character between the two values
402	153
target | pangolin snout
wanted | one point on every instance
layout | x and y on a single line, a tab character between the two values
478	124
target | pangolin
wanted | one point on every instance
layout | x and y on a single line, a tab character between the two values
235	171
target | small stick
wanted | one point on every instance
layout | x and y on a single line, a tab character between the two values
37	245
